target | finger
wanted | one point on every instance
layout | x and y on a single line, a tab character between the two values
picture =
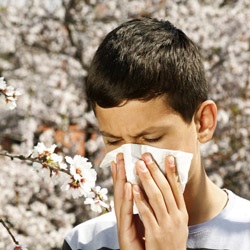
119	179
145	210
113	171
115	168
160	180
130	229
126	212
116	189
151	188
172	177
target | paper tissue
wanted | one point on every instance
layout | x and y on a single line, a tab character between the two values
132	153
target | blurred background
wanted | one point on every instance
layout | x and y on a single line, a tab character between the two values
46	48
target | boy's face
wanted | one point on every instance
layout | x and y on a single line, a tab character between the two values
146	122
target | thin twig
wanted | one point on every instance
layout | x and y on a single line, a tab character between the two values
51	167
37	160
8	229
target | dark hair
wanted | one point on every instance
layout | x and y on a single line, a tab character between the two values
145	58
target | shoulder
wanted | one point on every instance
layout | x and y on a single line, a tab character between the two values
230	229
235	217
97	233
238	207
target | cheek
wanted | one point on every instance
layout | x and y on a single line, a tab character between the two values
110	147
186	140
181	139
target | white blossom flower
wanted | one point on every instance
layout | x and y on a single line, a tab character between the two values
91	146
101	192
82	178
2	83
8	102
41	150
9	91
96	199
58	160
75	188
80	169
8	95
47	158
95	205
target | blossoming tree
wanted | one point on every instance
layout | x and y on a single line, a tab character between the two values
81	177
46	47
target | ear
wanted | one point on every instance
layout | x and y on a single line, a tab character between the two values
206	120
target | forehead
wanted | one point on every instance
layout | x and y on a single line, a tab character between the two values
135	116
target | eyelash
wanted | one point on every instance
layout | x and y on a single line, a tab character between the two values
113	143
153	139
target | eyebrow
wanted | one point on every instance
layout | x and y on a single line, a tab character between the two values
147	131
106	134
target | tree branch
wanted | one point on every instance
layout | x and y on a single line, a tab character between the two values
29	158
9	232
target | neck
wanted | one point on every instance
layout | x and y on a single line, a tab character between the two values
204	200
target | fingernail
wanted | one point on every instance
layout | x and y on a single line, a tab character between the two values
128	193
142	166
112	165
119	164
171	160
136	188
119	157
148	159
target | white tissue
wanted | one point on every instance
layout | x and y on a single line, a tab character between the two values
132	153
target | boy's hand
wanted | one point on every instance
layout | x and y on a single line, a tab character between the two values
162	208
163	211
130	227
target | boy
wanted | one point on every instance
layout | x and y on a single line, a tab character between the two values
147	86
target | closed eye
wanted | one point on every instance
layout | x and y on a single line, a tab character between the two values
113	143
152	140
